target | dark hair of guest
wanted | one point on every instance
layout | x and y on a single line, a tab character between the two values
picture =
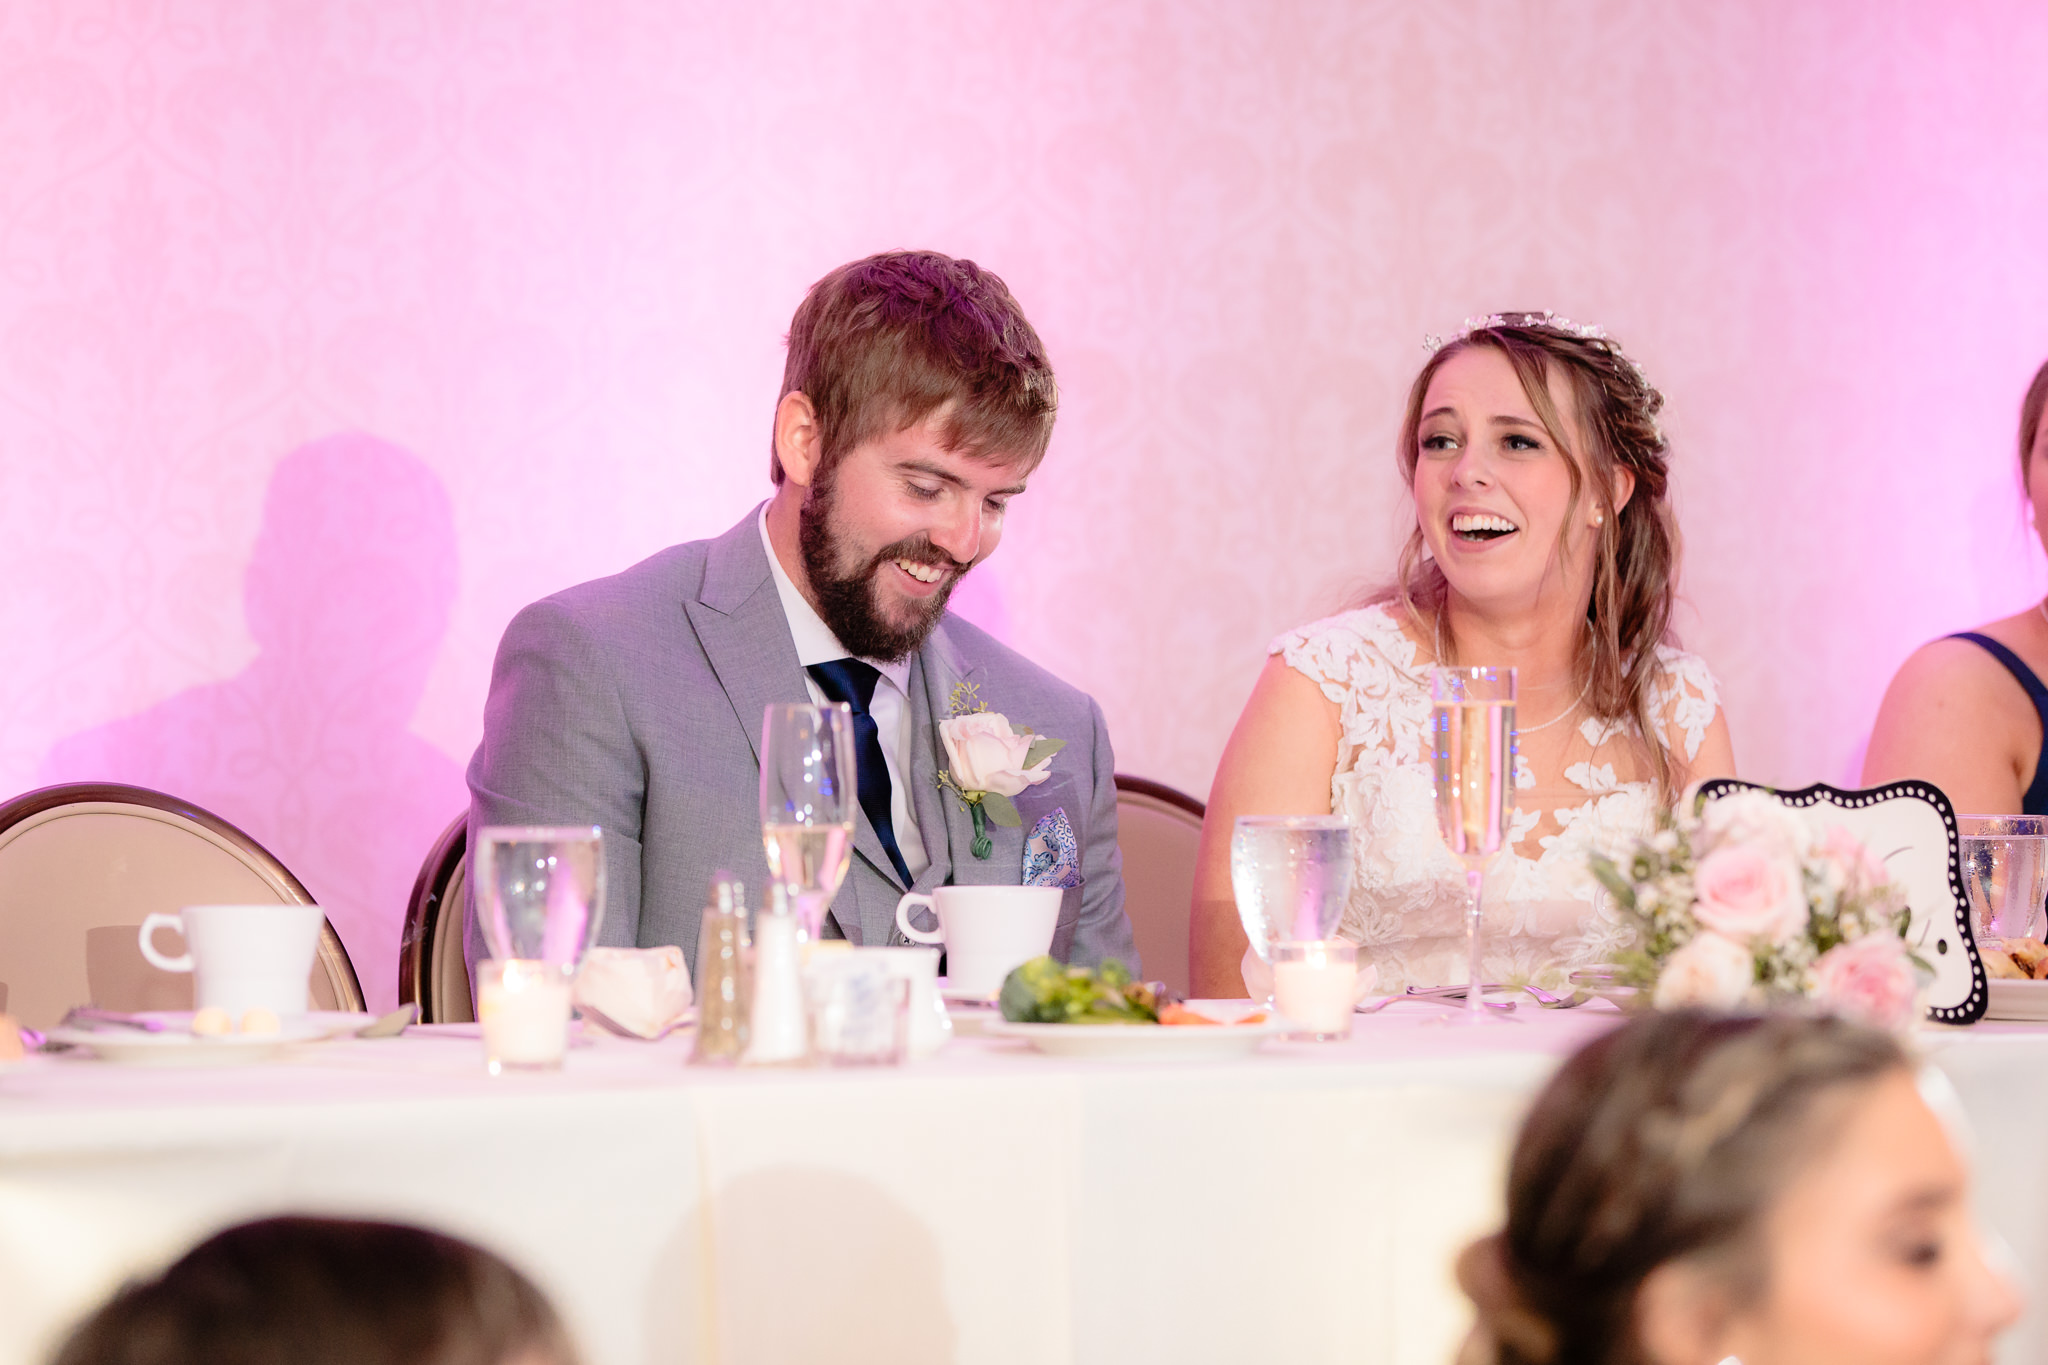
1667	1139
2030	421
323	1291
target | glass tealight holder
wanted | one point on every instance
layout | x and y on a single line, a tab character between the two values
860	1012
522	1005
1314	986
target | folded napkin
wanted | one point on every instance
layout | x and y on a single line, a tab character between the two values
645	991
1051	857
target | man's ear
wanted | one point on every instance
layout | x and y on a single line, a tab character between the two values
798	440
1682	1315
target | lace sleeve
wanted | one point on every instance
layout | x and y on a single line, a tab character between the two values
1685	696
1364	665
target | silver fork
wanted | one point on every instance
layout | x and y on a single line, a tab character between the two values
1436	995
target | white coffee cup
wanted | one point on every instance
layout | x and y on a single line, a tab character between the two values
930	1029
987	930
242	957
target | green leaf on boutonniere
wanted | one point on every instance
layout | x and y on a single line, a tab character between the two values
1001	810
1042	748
1017	729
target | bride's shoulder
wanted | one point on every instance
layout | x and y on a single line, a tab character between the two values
1684	694
1337	648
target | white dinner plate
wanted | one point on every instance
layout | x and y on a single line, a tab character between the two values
1141	1042
2027	1000
177	1045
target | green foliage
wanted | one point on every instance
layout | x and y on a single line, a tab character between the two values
1047	991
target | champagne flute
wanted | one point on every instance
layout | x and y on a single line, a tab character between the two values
1472	732
809	795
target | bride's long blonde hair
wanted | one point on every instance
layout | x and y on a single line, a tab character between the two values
1635	578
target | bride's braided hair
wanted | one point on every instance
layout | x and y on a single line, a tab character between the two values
1666	1139
1635	579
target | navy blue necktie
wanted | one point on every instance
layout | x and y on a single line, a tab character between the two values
853	682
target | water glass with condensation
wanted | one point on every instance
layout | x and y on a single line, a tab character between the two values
2005	873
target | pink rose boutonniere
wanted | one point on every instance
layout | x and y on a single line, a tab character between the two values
990	759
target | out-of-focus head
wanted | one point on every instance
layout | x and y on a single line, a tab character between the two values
1694	1186
916	402
1532	448
320	1291
2034	445
882	344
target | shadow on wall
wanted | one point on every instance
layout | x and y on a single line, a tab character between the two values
309	748
854	1277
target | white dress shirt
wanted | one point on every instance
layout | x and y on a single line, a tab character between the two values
816	644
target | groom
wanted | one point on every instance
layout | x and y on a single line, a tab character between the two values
916	402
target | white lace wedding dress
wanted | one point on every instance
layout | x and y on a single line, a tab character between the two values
1545	913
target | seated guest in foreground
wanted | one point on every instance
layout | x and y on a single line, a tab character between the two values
1694	1188
1969	712
326	1291
916	401
1544	541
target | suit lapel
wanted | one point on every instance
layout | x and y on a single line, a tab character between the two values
738	617
944	669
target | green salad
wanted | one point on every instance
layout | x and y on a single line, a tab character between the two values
1048	991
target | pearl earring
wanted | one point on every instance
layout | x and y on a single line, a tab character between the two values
1600	519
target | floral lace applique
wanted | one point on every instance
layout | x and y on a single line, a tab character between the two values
1408	892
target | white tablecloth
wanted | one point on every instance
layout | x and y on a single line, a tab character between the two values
990	1205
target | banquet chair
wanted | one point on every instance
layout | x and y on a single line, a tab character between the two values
1159	833
82	864
431	971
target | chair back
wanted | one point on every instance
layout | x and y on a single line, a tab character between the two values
431	970
1159	833
82	864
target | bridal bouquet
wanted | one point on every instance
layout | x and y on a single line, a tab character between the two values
1741	905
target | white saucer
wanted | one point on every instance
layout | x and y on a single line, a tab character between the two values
177	1045
1141	1042
2022	1000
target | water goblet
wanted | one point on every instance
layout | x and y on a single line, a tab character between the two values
540	903
1291	875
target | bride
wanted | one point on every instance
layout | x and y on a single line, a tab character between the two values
1544	541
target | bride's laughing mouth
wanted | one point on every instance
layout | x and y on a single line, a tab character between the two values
1481	528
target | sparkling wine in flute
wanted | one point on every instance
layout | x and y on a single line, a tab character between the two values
808	856
1475	775
1472	731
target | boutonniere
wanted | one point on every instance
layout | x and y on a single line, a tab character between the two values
990	759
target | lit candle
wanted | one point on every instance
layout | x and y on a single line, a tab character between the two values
1313	986
523	1006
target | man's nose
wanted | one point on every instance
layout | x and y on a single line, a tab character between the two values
959	534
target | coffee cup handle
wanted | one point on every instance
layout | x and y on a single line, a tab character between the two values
911	931
152	922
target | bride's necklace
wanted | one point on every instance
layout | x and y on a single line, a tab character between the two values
1532	729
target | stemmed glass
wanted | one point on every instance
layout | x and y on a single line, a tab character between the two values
1472	733
540	892
810	792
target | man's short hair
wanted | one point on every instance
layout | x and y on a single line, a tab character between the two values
883	343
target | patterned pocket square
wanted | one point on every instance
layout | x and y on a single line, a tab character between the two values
1051	857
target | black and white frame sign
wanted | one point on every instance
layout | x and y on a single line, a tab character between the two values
1910	828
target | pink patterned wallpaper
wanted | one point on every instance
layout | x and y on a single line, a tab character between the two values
330	333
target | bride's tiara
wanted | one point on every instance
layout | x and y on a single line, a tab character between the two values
1550	322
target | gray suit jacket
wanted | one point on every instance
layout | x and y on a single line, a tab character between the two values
634	703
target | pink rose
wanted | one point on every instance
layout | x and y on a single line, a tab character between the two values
983	754
1711	971
1745	893
1869	980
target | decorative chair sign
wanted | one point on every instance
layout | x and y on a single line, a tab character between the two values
1910	828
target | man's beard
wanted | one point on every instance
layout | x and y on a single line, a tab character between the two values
846	598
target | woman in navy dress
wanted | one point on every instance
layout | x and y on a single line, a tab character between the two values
1969	712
